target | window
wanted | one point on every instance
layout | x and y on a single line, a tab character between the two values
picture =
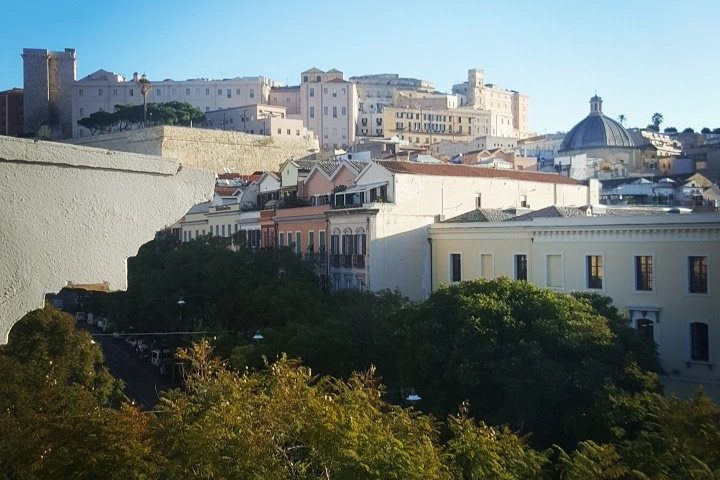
478	200
698	274
594	271
80	92
644	273
132	92
343	111
523	201
521	271
321	241
298	243
288	131
455	267
297	133
312	112
334	92
312	92
223	230
487	269
334	112
699	350
82	112
311	241
207	91
252	93
158	92
553	270
325	111
645	328
100	92
324	89
114	92
279	131
219	91
237	91
335	242
187	91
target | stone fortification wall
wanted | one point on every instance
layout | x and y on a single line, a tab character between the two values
212	150
76	214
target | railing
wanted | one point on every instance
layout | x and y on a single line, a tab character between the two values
358	261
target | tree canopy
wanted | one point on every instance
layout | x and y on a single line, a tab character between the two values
126	117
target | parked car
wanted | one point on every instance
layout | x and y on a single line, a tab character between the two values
159	357
90	319
143	348
101	323
80	317
131	341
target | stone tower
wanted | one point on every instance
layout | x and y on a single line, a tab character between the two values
476	81
48	78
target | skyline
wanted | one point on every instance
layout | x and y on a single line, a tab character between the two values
641	58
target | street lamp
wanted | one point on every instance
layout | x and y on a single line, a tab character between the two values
257	337
145	86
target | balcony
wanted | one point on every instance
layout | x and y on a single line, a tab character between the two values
347	261
358	261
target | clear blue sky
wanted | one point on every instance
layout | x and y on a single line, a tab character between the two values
640	56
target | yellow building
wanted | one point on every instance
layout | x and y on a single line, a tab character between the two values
662	270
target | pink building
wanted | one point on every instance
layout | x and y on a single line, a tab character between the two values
304	227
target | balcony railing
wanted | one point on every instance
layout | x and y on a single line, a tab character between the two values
358	261
347	261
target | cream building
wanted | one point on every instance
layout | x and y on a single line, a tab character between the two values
327	105
258	119
378	226
661	270
476	93
102	90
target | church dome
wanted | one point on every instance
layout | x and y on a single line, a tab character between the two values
596	131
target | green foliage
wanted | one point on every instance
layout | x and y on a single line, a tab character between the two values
56	417
670	130
538	360
656	120
688	130
705	130
125	117
479	451
282	422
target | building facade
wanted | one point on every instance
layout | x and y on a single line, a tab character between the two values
378	227
661	270
11	112
258	119
102	90
476	93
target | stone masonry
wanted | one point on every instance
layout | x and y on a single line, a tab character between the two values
210	150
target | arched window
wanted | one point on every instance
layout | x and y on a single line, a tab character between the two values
335	242
699	345
360	242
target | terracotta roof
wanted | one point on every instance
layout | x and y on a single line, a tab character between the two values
452	170
337	80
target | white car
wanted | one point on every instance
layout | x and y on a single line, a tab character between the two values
101	323
80	317
90	319
160	357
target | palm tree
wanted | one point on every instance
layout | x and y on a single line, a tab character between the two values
657	119
622	118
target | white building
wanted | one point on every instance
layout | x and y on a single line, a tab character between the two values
661	270
378	228
102	90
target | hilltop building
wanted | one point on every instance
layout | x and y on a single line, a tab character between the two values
325	102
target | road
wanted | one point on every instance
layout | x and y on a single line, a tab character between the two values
143	382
